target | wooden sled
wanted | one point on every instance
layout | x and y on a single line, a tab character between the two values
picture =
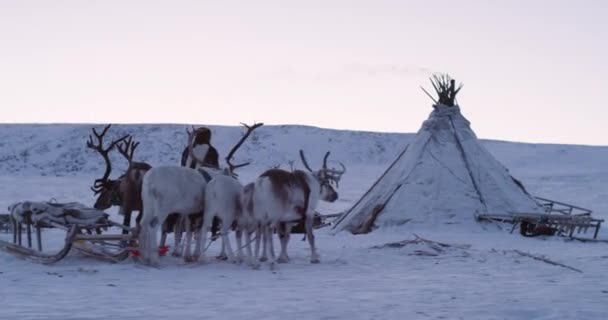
559	219
86	239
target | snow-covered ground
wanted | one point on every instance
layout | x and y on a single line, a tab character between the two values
487	280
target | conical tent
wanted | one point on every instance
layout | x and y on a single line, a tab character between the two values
444	176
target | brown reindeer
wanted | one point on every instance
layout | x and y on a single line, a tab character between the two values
125	191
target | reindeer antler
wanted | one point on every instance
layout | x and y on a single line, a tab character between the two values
250	129
304	162
127	148
190	132
325	160
331	174
335	174
98	184
332	171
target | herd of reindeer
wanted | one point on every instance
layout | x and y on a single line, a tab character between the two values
199	196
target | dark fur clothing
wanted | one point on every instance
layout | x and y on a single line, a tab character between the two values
211	159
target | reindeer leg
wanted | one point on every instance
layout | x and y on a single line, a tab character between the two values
188	239
284	232
239	245
163	238
138	218
253	260
248	251
226	242
147	241
177	234
263	231
222	255
199	237
203	238
135	230
126	221
185	238
215	224
273	261
314	256
258	238
271	230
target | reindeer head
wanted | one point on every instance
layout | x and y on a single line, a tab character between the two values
109	195
108	189
328	178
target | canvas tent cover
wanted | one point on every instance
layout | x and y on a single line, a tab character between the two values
63	213
444	176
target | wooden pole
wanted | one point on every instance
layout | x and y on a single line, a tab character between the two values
14	230
29	235
19	234
39	238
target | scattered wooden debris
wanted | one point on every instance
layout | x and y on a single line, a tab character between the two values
440	247
436	246
545	260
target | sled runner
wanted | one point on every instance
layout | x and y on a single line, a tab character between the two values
83	227
560	219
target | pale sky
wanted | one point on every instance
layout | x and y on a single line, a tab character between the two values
533	71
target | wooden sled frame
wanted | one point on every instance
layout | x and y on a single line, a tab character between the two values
93	245
320	221
565	219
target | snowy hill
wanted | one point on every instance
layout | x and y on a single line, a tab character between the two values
557	171
60	149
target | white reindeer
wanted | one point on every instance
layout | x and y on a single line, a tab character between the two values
167	190
223	201
247	224
282	198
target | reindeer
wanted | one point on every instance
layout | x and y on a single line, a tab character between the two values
281	198
169	190
222	202
172	189
201	143
125	191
